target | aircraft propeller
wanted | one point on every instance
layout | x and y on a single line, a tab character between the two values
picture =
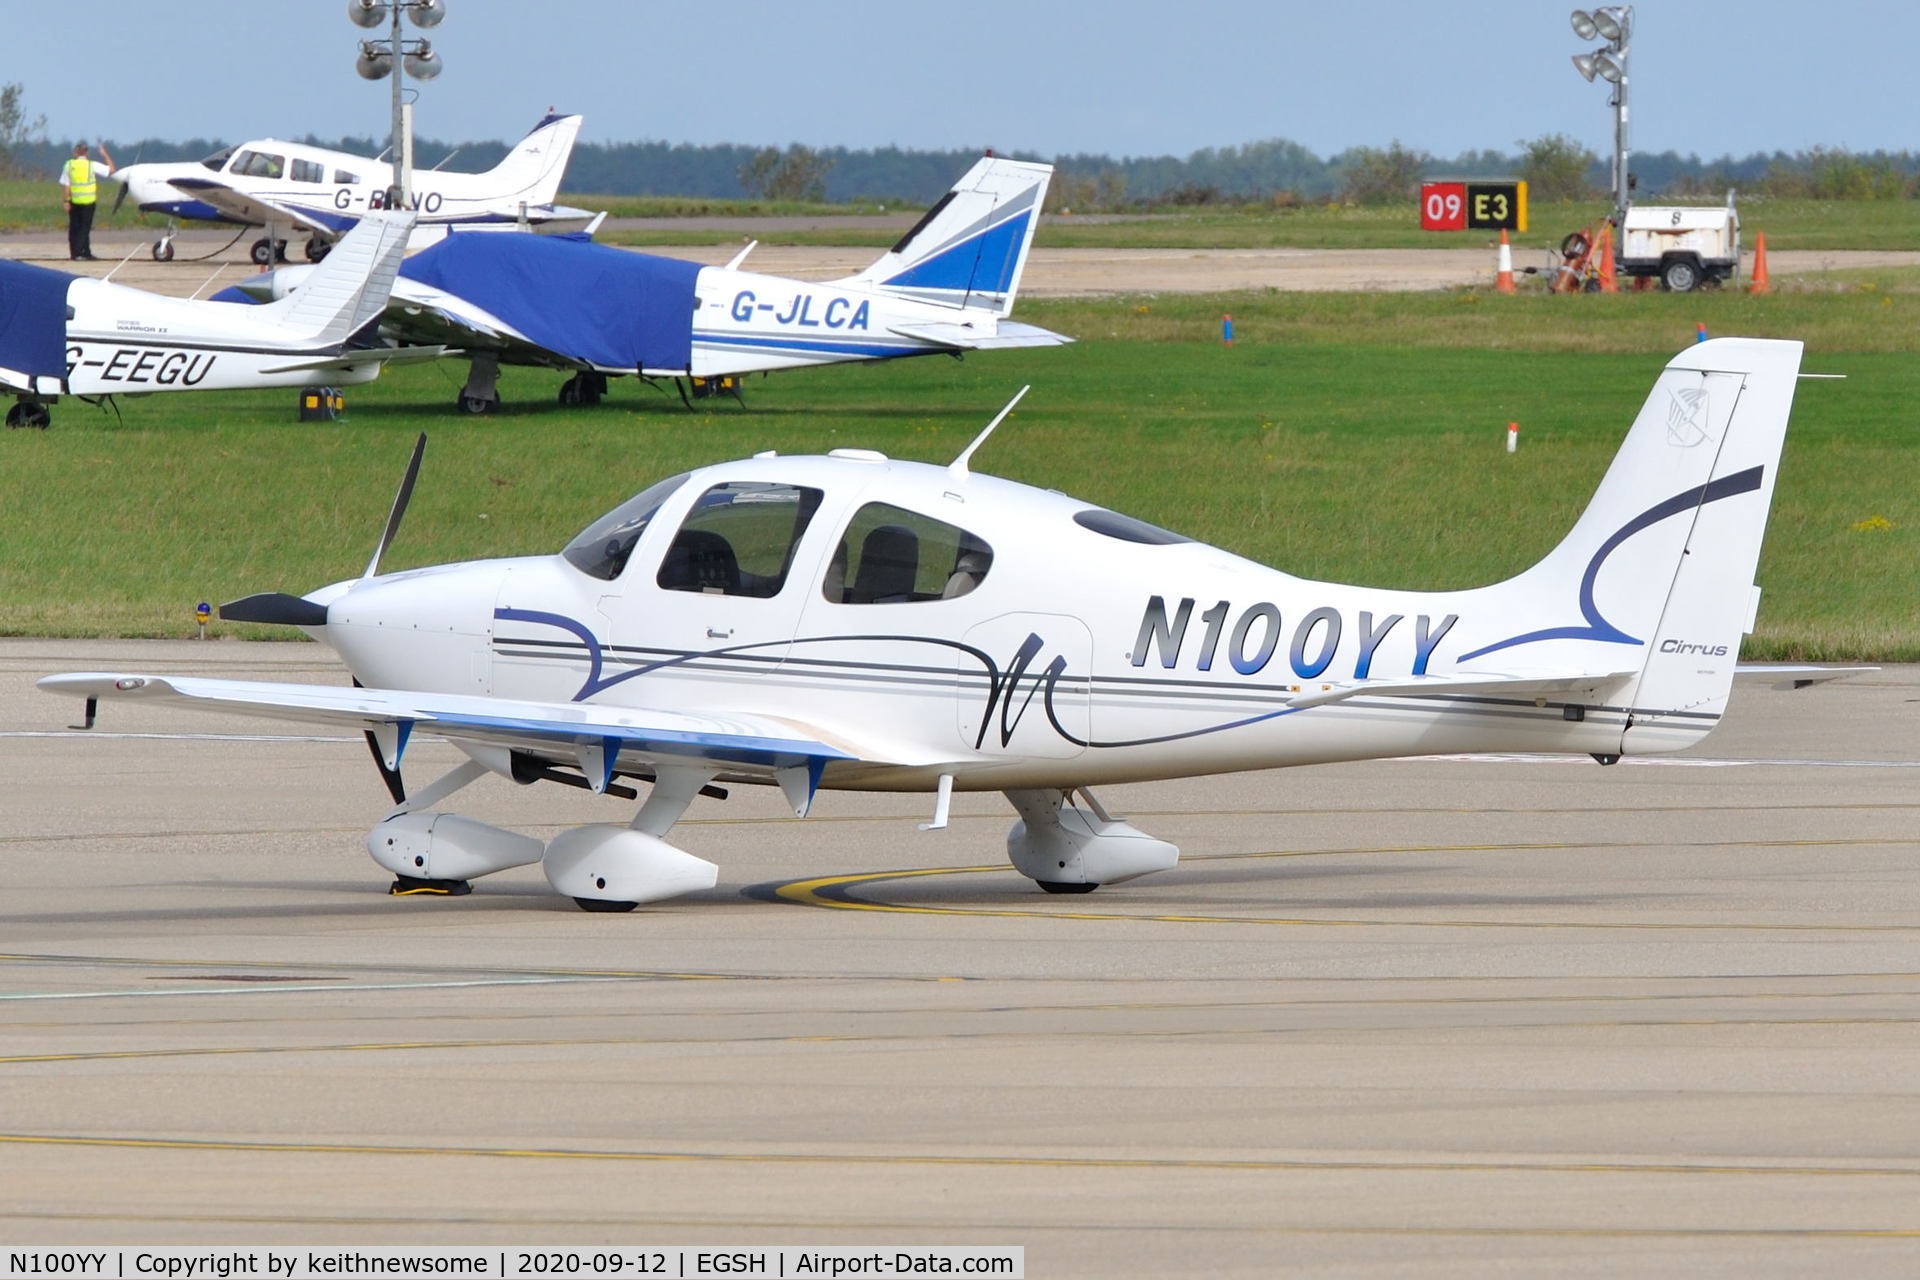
278	607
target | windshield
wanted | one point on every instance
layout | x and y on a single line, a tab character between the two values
218	160
602	548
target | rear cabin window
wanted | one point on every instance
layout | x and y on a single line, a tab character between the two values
739	539
890	555
309	171
345	179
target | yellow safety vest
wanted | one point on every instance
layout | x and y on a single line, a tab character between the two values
81	186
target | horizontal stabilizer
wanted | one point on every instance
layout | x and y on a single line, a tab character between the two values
1789	676
1458	684
1007	334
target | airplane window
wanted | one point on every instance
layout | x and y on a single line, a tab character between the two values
739	539
1126	528
602	548
309	171
345	179
258	164
218	160
890	555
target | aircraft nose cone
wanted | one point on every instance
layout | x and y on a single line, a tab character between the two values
425	629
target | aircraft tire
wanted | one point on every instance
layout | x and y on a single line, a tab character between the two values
1062	886
261	252
318	249
476	406
603	905
163	251
24	414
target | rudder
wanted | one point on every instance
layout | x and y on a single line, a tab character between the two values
970	248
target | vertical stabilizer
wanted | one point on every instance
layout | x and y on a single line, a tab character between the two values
348	290
530	173
1658	574
969	249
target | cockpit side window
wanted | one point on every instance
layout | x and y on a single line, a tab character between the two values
259	164
739	539
890	555
218	160
603	547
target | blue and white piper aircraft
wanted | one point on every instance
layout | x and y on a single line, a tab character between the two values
566	303
286	186
68	335
859	623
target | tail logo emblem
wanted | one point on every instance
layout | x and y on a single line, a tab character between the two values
1687	417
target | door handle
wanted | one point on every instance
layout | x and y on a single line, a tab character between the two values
713	634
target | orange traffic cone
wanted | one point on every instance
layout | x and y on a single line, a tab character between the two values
1503	281
1759	284
1607	284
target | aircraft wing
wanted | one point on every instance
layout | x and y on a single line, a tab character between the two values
598	739
354	357
1456	684
1008	333
258	211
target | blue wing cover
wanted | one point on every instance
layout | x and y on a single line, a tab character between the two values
33	319
592	303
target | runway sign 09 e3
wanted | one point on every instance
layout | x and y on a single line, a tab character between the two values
1473	206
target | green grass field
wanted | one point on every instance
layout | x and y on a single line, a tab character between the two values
1351	447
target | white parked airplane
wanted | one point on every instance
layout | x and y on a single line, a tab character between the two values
70	335
292	186
567	303
852	622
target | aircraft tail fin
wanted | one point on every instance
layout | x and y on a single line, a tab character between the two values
969	249
349	288
530	173
1658	573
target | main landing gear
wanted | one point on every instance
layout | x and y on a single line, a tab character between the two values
267	250
1066	842
585	387
481	394
30	413
602	867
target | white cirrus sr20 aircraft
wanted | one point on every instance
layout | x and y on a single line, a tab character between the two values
854	622
563	302
68	335
292	186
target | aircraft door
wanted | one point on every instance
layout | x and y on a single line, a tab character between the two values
1024	686
722	599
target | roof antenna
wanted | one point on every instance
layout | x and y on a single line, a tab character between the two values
958	467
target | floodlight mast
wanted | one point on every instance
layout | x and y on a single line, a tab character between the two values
394	56
1614	24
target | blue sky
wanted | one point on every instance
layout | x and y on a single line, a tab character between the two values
1122	76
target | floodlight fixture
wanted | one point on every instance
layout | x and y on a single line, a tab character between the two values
373	64
1583	25
423	63
1583	63
427	13
1611	22
367	13
1611	64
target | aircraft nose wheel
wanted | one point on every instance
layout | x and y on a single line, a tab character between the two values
583	388
477	405
163	250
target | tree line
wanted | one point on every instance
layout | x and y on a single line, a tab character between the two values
1276	170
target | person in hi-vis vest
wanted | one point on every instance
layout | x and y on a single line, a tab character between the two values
80	189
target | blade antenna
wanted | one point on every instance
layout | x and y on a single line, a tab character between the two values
958	467
400	501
